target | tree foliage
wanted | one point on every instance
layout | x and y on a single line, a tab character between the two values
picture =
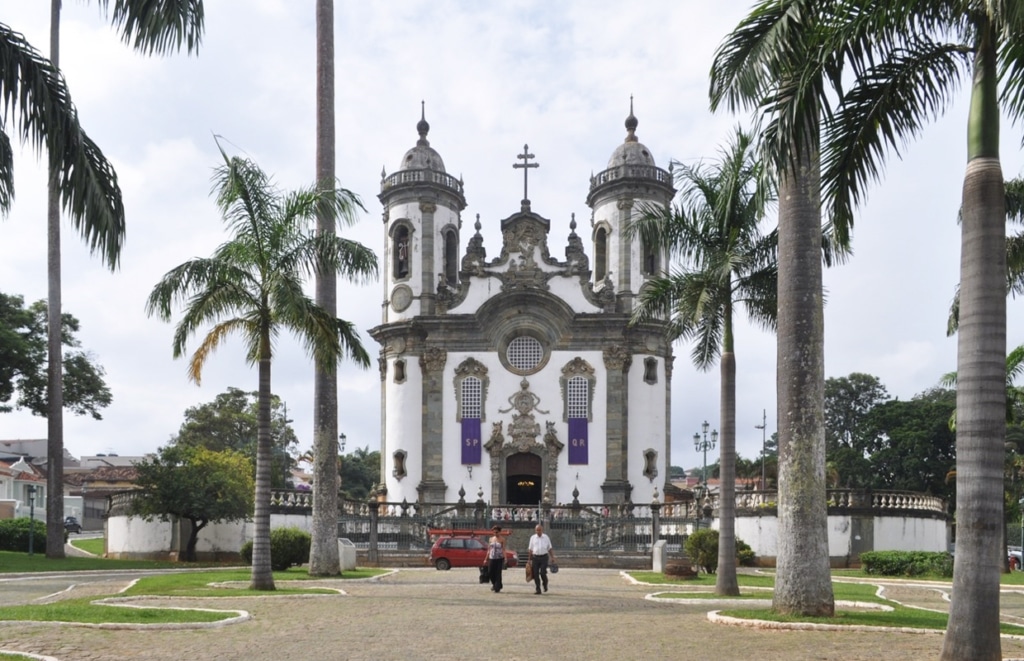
359	472
196	484
231	422
24	364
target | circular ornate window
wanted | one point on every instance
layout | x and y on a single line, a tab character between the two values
524	353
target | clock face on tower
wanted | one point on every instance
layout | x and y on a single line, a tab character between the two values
401	298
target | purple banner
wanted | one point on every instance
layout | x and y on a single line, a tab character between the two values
471	440
578	441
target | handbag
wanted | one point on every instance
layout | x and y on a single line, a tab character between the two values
485	574
553	568
529	571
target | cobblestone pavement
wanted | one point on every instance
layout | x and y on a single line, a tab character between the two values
427	614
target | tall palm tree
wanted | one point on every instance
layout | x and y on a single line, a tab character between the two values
771	63
253	286
1014	252
921	51
726	260
323	554
150	28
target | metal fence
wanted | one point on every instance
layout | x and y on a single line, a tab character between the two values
399	533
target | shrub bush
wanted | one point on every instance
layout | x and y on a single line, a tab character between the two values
702	549
288	547
14	535
906	563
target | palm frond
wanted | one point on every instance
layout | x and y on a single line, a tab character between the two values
887	106
159	26
217	335
35	94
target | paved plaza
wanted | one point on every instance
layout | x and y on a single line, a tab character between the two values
426	614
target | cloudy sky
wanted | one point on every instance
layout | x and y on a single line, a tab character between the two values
494	76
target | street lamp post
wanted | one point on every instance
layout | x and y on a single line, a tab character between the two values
703	445
31	517
763	426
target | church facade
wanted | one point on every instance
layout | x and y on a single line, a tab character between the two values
519	379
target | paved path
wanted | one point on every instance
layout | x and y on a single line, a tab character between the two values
425	614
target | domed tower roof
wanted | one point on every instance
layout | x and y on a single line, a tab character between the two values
631	151
422	156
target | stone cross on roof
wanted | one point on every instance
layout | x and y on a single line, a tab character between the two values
525	165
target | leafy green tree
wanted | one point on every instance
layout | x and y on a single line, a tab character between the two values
715	231
359	472
23	365
913	448
253	286
231	422
196	484
848	401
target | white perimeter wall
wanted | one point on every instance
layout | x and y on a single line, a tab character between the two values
891	533
129	537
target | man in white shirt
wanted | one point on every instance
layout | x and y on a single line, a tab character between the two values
541	552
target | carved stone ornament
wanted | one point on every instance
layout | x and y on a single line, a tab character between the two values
617	358
382	365
401	298
577	367
433	359
428	207
669	361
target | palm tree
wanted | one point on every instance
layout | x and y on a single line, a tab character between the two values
253	286
715	231
921	50
150	28
771	63
323	554
1014	252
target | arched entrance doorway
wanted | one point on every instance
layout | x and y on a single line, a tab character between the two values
523	482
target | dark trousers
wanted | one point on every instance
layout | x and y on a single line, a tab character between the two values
496	565
540	571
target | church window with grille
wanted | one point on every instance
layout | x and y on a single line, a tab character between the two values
524	353
579	397
472	397
471	402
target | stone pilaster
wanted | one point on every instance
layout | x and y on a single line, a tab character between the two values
432	487
428	279
616	487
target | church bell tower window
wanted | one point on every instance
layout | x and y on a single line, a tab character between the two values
401	255
451	257
600	254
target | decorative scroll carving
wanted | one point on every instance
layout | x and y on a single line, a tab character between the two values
616	357
428	207
433	359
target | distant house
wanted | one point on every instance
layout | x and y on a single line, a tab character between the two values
18	479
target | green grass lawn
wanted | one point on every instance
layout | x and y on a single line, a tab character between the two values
178	584
900	616
92	545
11	562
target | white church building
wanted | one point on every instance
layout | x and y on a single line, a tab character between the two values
520	375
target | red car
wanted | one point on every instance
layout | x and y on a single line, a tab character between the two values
463	548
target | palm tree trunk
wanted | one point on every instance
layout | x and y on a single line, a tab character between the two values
973	631
262	575
725	581
323	555
803	580
55	360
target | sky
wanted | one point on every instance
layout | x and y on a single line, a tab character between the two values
494	76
